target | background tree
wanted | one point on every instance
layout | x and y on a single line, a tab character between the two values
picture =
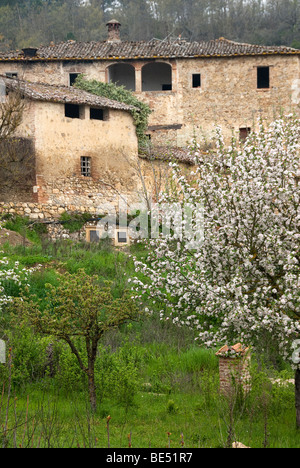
34	22
79	308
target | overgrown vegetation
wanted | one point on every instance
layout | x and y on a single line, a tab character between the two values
155	386
118	93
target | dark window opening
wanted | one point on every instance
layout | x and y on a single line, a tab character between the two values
244	132
96	114
167	87
86	166
122	237
72	111
73	77
196	80
263	77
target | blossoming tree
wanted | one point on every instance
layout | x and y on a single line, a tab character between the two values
241	281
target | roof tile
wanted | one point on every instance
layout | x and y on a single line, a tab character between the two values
105	50
62	94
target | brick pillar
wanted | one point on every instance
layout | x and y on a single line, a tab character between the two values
234	368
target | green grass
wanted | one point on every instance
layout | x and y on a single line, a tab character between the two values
173	384
61	418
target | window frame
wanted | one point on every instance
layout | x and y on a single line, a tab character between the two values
73	73
105	114
263	79
193	82
80	115
86	166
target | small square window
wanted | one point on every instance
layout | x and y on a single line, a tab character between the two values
122	237
96	114
263	77
196	80
244	132
72	111
72	78
86	166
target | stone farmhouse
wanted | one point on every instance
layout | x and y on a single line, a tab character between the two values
190	87
72	136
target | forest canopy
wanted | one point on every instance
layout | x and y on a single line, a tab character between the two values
25	23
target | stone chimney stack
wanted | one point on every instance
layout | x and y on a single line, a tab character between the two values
113	31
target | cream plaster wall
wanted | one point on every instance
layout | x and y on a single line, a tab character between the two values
59	144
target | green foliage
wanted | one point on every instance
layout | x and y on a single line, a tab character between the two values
74	222
29	356
25	227
118	93
150	371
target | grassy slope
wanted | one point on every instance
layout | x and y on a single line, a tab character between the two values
176	383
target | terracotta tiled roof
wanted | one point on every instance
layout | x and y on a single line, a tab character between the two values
105	50
61	94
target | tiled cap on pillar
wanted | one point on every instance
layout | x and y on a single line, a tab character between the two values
234	371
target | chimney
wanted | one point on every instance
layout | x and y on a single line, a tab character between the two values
113	31
30	52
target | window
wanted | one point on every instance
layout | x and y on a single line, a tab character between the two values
72	78
86	166
94	236
157	76
122	237
73	111
244	132
263	77
97	114
122	74
11	74
196	80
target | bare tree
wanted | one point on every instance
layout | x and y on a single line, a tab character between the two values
17	160
11	115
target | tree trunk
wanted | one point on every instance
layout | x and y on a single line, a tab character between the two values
91	346
92	390
297	395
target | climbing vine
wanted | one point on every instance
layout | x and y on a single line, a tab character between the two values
118	93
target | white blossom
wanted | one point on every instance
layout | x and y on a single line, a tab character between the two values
243	279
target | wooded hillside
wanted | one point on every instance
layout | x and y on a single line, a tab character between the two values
26	23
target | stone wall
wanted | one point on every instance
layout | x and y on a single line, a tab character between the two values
228	95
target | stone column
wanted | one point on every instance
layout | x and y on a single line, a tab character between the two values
234	364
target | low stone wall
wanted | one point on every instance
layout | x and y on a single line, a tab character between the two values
38	211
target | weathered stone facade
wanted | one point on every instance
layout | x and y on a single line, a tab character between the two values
190	87
80	164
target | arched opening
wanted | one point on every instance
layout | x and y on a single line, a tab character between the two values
122	74
157	76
